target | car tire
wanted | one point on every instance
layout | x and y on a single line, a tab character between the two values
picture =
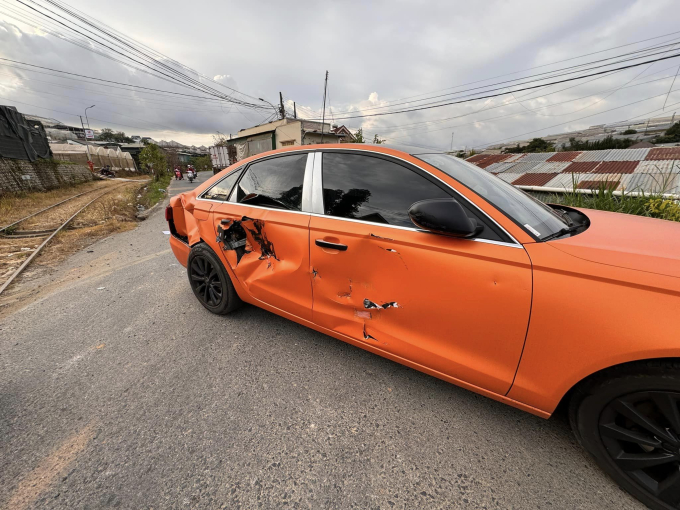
628	419
210	282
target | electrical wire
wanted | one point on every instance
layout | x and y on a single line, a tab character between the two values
504	93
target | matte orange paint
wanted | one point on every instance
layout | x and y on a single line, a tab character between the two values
459	309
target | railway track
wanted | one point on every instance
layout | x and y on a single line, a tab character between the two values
10	232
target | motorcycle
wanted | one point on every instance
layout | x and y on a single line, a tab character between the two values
190	176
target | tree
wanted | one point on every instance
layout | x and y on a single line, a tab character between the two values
201	163
535	145
359	136
219	140
153	158
671	135
606	143
108	135
377	140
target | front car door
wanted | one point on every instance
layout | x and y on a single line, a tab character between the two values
262	233
459	307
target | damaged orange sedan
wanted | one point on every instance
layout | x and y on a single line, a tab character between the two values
430	261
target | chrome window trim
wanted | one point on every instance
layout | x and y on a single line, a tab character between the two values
413	229
448	186
317	185
317	191
307	183
373	223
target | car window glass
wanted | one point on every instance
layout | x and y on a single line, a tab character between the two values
221	190
275	182
525	210
373	189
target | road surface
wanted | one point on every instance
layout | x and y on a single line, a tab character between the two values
118	390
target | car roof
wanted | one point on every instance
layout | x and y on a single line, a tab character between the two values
413	150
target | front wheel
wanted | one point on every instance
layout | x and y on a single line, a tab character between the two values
629	421
210	281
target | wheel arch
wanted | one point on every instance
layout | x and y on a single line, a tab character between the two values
581	386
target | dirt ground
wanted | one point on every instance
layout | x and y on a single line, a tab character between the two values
112	213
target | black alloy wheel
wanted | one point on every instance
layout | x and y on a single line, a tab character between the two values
210	282
205	281
628	418
641	434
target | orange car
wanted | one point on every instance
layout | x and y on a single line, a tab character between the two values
434	263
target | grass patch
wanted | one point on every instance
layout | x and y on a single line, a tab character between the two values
156	191
651	205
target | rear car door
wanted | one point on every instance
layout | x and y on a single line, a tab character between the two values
457	306
263	235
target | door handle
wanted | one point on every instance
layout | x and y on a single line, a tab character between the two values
332	246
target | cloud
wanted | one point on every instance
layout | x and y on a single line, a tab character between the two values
376	53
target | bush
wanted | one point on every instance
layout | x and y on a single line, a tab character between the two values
604	199
535	145
629	132
606	143
671	135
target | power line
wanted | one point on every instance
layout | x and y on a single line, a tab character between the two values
538	67
574	120
504	93
514	114
110	81
192	82
73	10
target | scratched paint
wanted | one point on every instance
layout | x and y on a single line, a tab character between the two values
370	304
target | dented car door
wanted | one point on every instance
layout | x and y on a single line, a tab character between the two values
457	306
263	234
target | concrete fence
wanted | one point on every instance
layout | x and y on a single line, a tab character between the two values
18	175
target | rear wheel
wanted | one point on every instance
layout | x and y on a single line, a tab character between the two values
629	420
210	281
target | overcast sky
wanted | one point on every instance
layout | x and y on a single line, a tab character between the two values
376	53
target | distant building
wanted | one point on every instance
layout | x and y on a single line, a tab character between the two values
344	132
645	130
281	133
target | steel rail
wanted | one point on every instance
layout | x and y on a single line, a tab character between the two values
46	208
44	243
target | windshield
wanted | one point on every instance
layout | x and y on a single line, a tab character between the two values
534	216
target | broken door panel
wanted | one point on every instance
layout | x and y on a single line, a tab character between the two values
268	250
457	306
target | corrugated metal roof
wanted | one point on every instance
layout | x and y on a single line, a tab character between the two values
616	167
650	183
590	184
564	156
593	155
477	157
491	159
533	179
548	167
537	156
581	167
515	157
498	168
566	181
627	155
522	167
658	167
508	177
661	153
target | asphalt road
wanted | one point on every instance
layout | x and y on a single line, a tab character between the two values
117	389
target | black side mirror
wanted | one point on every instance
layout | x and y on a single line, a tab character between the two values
444	216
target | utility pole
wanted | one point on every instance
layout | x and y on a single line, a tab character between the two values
452	132
283	110
87	147
323	115
294	111
88	120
